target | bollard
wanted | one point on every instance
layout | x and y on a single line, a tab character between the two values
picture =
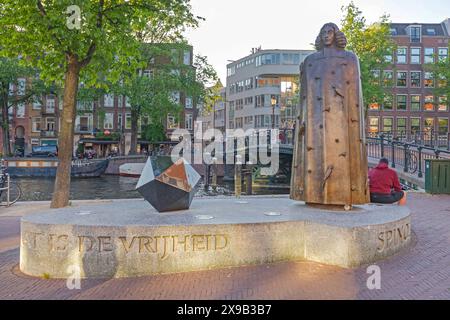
214	174
238	177
207	173
248	183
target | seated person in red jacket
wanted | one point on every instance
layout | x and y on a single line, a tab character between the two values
384	184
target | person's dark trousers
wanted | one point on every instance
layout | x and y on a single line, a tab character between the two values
386	198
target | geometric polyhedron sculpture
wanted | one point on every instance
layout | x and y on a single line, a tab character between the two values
168	186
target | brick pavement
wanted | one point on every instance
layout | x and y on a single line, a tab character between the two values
420	272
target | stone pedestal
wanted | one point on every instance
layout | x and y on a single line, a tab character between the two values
125	238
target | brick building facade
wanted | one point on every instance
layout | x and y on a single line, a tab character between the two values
413	108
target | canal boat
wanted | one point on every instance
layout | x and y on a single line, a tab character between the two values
28	167
131	169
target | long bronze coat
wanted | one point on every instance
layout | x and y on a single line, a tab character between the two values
330	158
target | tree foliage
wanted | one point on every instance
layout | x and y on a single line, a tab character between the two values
440	71
11	70
104	46
371	43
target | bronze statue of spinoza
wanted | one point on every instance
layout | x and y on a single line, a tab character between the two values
330	159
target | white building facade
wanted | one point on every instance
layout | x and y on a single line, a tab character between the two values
262	89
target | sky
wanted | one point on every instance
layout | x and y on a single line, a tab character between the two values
233	27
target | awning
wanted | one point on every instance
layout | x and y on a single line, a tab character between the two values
98	141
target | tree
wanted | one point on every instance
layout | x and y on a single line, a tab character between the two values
69	39
10	73
371	43
152	96
440	71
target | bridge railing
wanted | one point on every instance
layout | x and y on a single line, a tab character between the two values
410	156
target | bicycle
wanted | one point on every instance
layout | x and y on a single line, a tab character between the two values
412	161
10	192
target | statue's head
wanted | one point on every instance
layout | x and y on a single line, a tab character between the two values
330	36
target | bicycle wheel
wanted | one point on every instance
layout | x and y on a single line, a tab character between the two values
412	163
14	194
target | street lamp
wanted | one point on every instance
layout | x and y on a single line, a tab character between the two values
273	101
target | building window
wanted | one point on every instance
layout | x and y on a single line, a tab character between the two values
443	125
248	101
109	100
171	122
119	121
428	124
415	34
442	105
442	81
127	102
239	122
375	77
442	54
108	122
120	101
388	78
401	79
21	85
231	71
388	102
187	57
50	104
239	104
387	124
415	79
291	58
373	124
50	124
248	120
259	101
401	125
415	103
415	56
428	103
429	55
374	106
127	120
388	56
268	82
401	55
248	84
431	31
428	80
37	103
415	125
188	103
36	124
20	112
401	102
268	58
148	73
188	121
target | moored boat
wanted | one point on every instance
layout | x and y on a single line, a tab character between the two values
29	167
131	169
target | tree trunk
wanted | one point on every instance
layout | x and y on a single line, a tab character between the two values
134	130
5	123
65	152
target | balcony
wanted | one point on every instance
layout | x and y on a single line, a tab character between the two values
48	134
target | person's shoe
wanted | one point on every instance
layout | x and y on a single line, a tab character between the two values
402	201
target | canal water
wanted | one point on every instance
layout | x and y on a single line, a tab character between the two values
115	187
